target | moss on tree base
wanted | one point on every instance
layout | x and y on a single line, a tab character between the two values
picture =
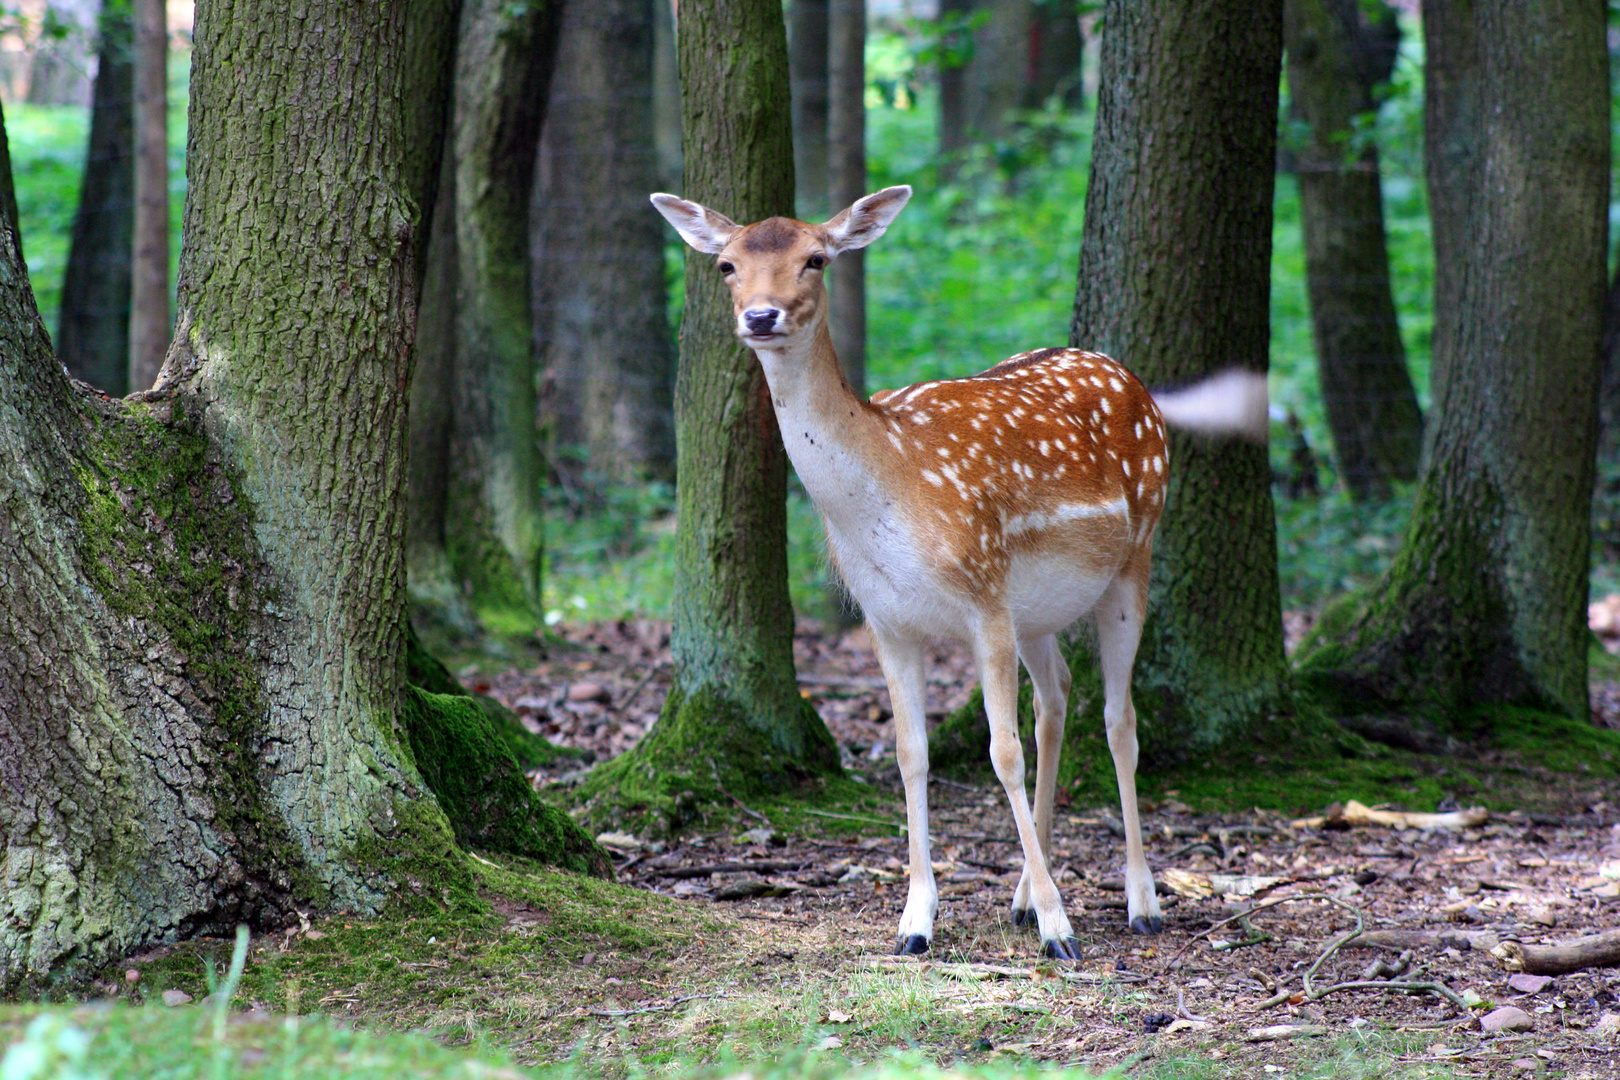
465	759
703	755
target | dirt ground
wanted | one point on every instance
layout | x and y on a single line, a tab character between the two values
1247	990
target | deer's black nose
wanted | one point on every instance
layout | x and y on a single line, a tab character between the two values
761	320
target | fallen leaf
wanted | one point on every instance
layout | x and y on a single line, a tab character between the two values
622	841
837	1016
831	1042
172	998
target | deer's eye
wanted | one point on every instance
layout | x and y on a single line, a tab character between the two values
816	261
726	269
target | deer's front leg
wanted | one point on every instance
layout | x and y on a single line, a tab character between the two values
998	672
902	660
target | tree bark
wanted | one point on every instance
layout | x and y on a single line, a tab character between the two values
602	334
1485	603
734	724
149	325
1056	48
808	61
846	161
93	333
955	47
1174	281
503	61
997	75
203	691
1336	57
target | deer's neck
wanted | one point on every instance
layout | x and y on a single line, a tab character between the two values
833	438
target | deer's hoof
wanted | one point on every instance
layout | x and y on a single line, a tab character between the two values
915	945
1147	924
1023	916
1063	948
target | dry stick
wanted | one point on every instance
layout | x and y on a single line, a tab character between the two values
653	1008
1181	1010
1311	993
635	691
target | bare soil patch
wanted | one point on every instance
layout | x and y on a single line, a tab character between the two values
1439	899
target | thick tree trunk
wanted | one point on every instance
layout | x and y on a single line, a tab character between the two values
1485	602
997	75
149	325
734	724
93	334
955	48
808	59
1335	59
1174	279
203	691
606	355
846	158
503	61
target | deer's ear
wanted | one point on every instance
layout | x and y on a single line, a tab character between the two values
699	226
867	220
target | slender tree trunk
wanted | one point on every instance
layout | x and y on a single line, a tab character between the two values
1335	59
666	97
602	335
734	725
93	334
808	65
1056	48
1485	603
1454	85
1174	281
149	323
955	49
203	693
503	62
846	139
997	76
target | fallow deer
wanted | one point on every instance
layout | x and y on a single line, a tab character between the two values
997	509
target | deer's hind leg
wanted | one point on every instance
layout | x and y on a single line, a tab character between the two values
1049	673
903	668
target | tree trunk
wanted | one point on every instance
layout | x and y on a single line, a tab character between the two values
149	325
602	331
997	75
808	62
93	334
1336	57
203	692
846	140
503	62
1454	85
734	725
955	48
666	97
1174	281
1485	603
1056	48
58	70
8	192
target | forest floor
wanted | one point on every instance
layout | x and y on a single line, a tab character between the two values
813	917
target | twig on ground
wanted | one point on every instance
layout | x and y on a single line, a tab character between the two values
665	1007
767	866
1181	1010
636	690
855	817
1256	936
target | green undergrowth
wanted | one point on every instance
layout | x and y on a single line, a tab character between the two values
485	969
119	1042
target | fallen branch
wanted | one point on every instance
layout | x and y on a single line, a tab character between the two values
1598	950
763	867
1415	939
1353	813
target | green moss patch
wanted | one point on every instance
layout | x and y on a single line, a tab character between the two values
463	756
704	764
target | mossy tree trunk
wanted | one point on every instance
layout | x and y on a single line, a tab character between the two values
476	533
734	724
1337	57
602	334
203	680
93	331
1174	282
1485	603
